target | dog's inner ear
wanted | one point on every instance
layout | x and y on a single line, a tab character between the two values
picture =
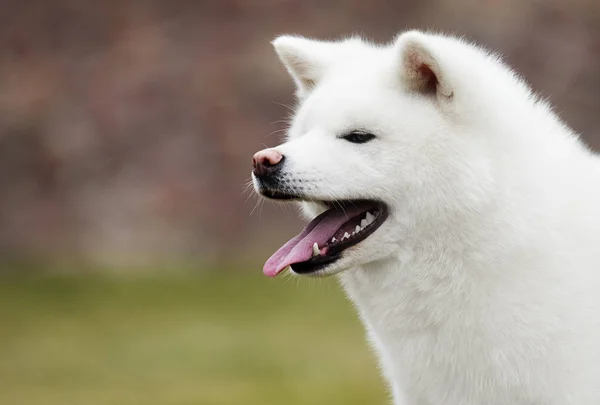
421	72
303	58
426	80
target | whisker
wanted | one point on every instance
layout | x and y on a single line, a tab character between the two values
289	107
262	204
248	197
277	131
285	121
341	206
255	207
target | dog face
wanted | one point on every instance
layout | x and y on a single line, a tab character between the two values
375	146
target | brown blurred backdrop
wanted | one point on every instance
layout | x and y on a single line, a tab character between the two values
127	127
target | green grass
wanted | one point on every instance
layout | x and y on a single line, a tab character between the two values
211	340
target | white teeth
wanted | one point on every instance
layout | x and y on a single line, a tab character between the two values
346	236
333	240
364	223
315	249
370	217
358	229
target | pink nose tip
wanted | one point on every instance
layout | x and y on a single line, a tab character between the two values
265	161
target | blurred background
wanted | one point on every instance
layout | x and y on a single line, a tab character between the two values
130	257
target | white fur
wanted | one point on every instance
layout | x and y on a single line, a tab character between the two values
483	285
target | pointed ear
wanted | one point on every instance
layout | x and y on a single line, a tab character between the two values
420	66
304	59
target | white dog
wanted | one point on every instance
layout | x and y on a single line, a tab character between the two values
461	215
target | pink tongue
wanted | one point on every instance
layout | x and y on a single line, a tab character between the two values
300	248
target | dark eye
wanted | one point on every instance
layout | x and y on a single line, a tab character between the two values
359	137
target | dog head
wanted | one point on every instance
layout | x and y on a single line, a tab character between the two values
380	143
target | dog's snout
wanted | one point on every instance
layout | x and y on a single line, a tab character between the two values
266	162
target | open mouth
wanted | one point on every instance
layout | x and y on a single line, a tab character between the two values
343	225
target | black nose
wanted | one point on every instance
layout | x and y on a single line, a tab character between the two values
267	162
